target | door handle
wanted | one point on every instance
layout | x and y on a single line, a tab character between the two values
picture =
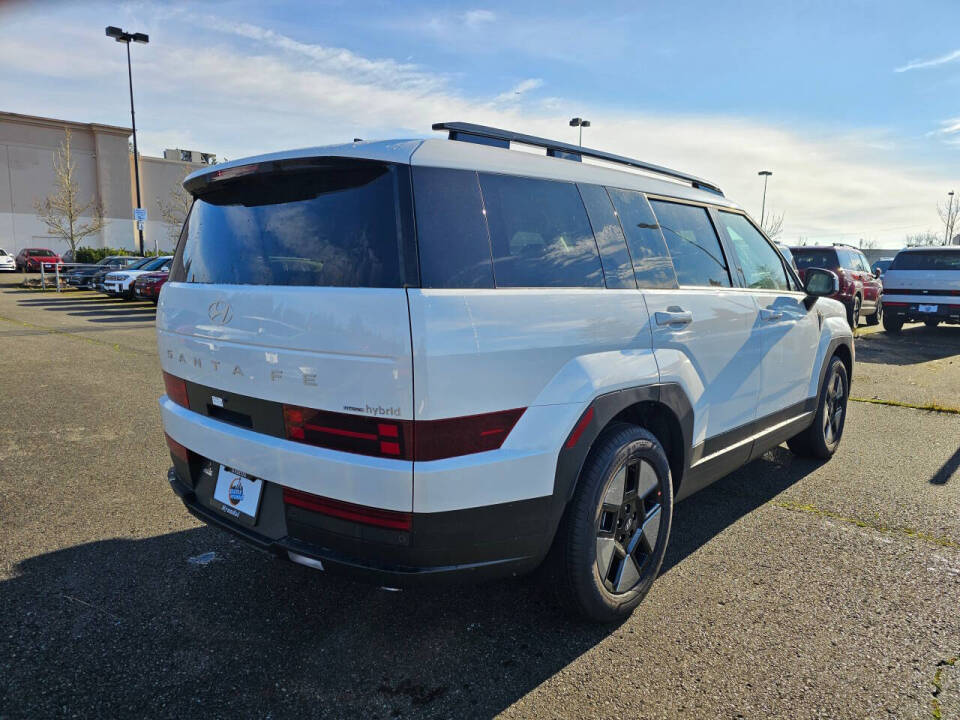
678	317
770	314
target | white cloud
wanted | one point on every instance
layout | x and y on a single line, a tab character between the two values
933	62
519	90
247	89
473	18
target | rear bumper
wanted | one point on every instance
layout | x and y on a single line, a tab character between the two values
426	555
909	311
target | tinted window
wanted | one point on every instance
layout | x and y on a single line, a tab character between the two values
847	259
346	224
927	260
761	264
815	258
539	233
862	262
651	261
693	244
617	269
451	230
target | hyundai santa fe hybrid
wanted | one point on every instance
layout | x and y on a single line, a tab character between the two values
923	285
422	360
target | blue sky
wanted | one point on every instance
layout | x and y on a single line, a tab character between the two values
852	105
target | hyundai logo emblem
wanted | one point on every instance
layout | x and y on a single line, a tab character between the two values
220	312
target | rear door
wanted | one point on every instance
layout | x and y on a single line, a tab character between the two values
288	286
705	331
790	330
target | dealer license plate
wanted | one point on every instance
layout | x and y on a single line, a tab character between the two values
927	308
237	493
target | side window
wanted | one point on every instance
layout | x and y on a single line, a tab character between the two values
846	259
539	233
693	244
651	261
762	266
451	231
864	265
617	268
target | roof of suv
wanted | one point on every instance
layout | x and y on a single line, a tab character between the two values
460	155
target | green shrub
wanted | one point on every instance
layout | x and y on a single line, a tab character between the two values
94	255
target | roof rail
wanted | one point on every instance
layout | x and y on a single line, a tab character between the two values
502	138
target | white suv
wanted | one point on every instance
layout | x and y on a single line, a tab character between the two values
426	359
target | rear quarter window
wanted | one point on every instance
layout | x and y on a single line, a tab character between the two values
452	233
539	233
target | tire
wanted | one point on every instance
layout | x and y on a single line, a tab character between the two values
607	555
853	313
128	295
822	438
892	325
931	324
877	315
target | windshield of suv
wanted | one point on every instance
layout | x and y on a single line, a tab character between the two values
154	263
927	260
342	224
139	264
129	261
815	258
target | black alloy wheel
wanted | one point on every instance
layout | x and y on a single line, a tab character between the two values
822	437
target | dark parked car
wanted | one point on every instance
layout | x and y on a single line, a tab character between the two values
31	259
861	291
881	266
147	286
83	277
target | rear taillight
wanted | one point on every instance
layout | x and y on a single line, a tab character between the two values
178	451
400	439
176	389
391	519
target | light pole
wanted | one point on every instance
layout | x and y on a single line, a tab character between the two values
951	218
125	37
580	123
763	207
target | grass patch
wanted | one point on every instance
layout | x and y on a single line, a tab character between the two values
893	531
932	407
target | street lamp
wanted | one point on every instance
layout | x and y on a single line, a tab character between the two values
580	123
763	207
125	37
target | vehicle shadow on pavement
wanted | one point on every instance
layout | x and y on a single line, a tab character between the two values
158	626
715	508
914	344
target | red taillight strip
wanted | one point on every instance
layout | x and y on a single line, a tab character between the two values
176	389
392	519
422	440
176	449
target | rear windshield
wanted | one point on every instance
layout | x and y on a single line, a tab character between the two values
342	223
40	253
815	258
927	260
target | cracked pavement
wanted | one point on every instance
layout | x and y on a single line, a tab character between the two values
791	588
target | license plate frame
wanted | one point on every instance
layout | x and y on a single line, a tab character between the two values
238	494
923	308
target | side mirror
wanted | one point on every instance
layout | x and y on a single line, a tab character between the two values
878	273
821	283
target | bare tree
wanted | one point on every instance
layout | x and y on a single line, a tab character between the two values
923	239
174	209
948	212
773	225
867	244
62	211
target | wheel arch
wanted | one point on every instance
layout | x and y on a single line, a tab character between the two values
663	409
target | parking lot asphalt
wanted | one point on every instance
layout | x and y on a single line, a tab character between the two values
790	589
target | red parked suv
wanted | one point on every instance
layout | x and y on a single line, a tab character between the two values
861	292
30	259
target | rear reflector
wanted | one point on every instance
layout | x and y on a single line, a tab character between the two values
178	451
176	390
579	428
422	440
391	519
